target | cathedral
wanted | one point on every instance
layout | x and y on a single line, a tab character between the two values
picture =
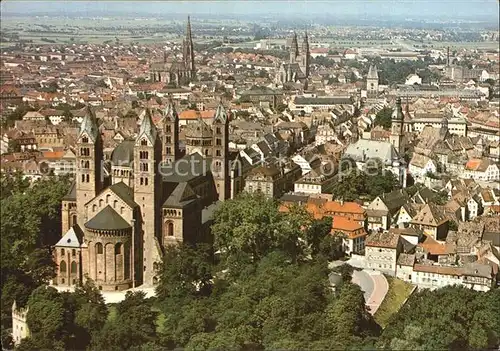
121	213
297	68
174	71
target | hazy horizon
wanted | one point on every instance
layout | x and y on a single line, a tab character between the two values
421	9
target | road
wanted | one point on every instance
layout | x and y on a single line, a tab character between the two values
373	283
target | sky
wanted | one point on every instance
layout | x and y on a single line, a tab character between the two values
431	9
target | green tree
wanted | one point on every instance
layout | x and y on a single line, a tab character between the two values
383	118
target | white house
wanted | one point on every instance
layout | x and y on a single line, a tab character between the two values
413	79
482	169
420	166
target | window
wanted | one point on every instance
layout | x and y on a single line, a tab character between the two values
73	220
169	151
115	203
118	249
218	142
85	139
94	208
73	252
62	267
218	130
63	252
145	181
168	128
73	267
107	198
168	140
142	181
170	229
83	178
101	201
87	178
144	142
99	248
217	153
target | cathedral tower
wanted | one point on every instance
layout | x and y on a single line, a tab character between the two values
147	190
170	136
305	55
372	82
188	47
89	157
220	156
396	137
294	49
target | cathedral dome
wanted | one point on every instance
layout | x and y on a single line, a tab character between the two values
107	220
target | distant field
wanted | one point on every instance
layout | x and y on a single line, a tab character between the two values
456	45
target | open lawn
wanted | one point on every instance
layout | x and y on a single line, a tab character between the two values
396	296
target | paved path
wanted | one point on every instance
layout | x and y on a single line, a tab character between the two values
373	283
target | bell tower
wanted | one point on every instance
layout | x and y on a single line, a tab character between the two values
220	153
170	136
294	49
147	187
396	137
305	55
89	157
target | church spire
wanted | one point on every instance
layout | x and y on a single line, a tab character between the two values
188	49
221	115
147	128
294	49
89	125
170	112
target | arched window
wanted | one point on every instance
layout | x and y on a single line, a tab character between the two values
156	266
99	248
107	198
73	267
101	201
115	203
83	178
87	178
63	252
62	267
145	181
94	208
170	229
144	142
85	139
118	249
122	209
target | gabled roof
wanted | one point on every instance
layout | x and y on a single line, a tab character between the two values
71	195
107	219
182	196
124	192
431	215
72	238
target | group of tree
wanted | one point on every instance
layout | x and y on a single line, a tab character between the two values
451	318
263	285
383	118
354	184
30	222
